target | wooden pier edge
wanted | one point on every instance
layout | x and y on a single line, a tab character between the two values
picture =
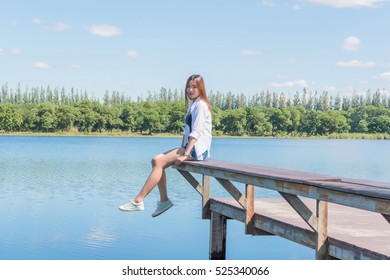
291	185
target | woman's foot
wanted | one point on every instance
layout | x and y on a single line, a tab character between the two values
132	206
162	207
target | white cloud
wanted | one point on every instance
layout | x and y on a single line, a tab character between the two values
331	89
37	21
75	66
41	65
16	51
125	83
351	43
58	26
132	53
268	3
1	51
347	3
291	84
103	30
385	76
292	59
356	63
297	7
251	53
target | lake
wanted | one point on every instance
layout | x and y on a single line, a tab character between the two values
59	196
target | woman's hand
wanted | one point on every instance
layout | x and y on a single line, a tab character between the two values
180	159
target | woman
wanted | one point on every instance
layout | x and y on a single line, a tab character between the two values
195	145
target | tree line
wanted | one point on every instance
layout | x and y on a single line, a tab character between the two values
263	114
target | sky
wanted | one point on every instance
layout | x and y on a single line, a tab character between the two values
247	46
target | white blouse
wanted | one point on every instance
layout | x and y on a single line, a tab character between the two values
201	126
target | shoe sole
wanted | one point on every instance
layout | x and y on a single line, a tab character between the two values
130	210
161	211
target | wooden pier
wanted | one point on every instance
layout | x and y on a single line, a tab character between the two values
340	218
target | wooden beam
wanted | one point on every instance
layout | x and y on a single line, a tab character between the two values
192	181
322	246
206	213
387	217
218	225
234	192
250	209
301	208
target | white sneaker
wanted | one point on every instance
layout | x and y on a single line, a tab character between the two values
132	206
162	207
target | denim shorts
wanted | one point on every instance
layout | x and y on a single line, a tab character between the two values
194	156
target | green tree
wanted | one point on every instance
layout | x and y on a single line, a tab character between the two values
295	117
379	124
234	121
46	117
332	122
128	117
30	116
111	117
87	117
176	117
310	122
217	115
148	117
280	120
65	116
257	121
10	118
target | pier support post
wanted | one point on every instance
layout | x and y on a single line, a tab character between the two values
322	246
250	209
206	213
218	224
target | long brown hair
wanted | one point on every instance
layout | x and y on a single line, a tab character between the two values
201	88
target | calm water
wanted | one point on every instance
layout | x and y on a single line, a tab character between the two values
59	196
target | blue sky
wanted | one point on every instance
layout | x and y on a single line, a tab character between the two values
341	46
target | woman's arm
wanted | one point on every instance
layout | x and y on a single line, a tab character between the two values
190	145
186	154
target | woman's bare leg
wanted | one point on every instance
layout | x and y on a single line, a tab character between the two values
157	175
162	187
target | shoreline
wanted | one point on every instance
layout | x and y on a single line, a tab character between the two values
341	136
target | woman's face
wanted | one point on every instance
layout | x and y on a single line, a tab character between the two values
192	90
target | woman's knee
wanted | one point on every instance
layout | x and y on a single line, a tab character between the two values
156	161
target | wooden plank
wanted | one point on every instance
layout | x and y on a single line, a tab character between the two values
191	179
301	209
254	170
322	250
353	186
206	214
218	225
278	173
377	189
234	192
342	250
